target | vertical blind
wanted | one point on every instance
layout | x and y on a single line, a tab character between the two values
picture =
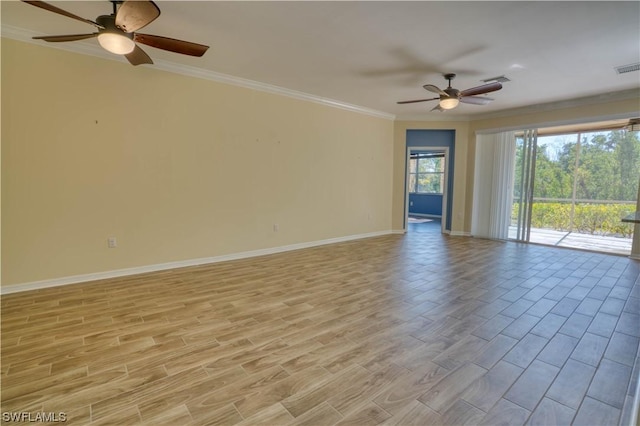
493	185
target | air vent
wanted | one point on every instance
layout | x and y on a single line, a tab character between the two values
499	79
628	68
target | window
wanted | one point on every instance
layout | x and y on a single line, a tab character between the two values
426	173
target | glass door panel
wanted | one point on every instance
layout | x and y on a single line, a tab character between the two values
526	147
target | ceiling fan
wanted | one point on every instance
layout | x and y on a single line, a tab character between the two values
117	32
450	97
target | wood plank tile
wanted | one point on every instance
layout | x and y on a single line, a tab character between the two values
612	306
462	413
157	403
127	416
461	352
367	414
493	327
590	349
628	324
526	350
603	324
576	325
445	393
494	351
529	389
224	415
558	350
571	384
594	412
609	384
404	390
521	326
147	392
621	348
320	415
359	393
548	325
517	308
550	412
565	307
301	402
177	415
218	398
353	332
414	414
414	359
505	413
485	392
273	415
258	400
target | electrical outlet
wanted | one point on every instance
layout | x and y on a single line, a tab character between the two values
276	227
112	242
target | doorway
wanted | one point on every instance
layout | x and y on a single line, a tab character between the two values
435	142
427	185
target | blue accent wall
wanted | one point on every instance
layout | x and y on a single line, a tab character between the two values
417	138
430	204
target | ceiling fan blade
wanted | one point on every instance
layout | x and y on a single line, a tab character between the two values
171	44
475	100
438	108
51	8
135	14
417	100
435	89
479	90
138	57
69	37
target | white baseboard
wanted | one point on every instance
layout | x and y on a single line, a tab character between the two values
460	234
75	279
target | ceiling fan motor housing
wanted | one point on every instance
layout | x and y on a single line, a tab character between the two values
109	24
453	93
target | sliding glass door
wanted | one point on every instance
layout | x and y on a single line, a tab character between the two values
525	166
571	189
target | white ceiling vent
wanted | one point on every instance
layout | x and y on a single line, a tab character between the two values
628	68
499	79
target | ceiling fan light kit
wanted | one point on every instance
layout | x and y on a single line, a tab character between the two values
448	103
117	32
450	98
116	43
112	38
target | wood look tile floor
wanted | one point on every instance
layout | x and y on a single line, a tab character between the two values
420	329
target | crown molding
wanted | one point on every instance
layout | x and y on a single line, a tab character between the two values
558	105
440	117
92	49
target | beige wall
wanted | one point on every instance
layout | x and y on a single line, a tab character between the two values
179	168
175	167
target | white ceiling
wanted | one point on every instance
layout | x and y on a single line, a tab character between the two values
372	54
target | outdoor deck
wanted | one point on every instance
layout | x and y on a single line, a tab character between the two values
606	244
